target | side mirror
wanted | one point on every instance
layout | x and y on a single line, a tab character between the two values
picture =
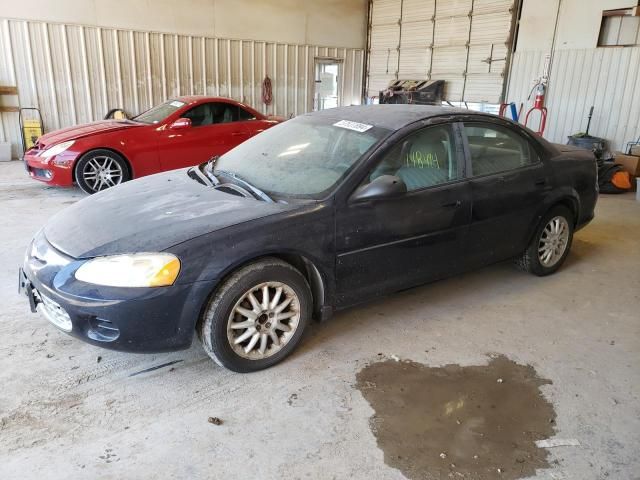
385	186
180	123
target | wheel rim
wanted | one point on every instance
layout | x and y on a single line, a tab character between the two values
102	172
263	321
553	241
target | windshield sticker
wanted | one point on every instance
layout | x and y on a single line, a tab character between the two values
176	103
355	126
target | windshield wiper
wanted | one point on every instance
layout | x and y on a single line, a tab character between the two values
196	174
208	169
259	193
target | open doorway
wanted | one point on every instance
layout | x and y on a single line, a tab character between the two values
327	90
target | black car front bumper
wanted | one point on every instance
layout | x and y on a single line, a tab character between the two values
143	320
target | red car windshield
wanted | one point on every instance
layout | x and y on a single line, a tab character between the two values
159	112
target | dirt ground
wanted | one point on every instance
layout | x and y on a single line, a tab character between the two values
69	410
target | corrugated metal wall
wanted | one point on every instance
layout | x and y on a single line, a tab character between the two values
77	73
464	42
607	78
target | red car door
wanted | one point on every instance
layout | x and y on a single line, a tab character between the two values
215	129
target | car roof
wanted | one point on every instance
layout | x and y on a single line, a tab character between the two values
201	98
391	116
196	99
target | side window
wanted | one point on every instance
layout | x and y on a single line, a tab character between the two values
423	159
245	115
212	113
200	115
496	149
224	112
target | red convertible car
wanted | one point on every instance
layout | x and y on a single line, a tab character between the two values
179	133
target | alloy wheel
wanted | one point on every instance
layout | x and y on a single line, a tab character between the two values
102	172
263	320
553	241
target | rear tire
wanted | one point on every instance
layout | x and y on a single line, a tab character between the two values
100	169
257	316
550	244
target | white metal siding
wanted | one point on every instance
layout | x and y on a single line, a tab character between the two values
76	73
607	78
464	42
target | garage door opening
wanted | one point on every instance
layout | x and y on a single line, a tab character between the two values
465	43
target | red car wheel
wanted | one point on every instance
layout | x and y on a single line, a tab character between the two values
101	169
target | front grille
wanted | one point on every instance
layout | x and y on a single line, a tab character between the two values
53	312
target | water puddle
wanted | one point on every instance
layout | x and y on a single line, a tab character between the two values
476	422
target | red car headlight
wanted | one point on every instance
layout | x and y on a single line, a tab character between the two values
57	149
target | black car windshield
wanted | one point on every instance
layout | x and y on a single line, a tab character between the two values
159	112
304	157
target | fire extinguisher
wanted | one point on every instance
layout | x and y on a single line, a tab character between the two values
538	104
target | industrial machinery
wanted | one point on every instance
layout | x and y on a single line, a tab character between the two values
420	92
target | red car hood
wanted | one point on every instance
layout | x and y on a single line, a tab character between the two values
79	131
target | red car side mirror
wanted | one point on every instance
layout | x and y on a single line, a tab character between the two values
180	123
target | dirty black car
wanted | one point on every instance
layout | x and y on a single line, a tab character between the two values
322	212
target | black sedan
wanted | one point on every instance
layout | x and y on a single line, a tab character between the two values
319	213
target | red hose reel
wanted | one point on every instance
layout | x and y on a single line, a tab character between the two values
267	91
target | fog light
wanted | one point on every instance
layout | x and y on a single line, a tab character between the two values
40	173
102	330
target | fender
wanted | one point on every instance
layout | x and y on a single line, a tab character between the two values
141	158
560	195
308	245
114	150
321	281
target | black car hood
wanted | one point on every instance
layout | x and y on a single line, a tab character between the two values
149	215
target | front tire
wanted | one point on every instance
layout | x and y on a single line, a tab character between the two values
257	316
100	169
551	243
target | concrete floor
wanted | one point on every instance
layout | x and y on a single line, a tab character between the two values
65	414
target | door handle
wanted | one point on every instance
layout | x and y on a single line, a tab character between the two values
540	182
455	204
237	134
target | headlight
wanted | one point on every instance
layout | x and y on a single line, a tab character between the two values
135	270
57	149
